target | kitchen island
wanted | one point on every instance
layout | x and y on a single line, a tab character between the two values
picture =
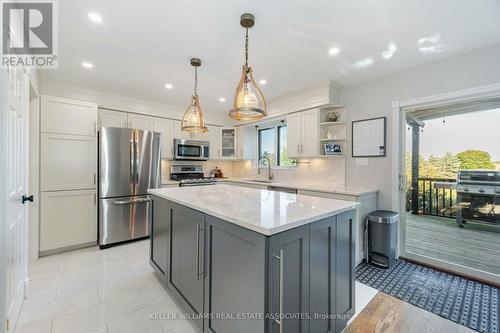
240	259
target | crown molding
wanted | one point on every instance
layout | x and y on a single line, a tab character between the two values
116	100
325	93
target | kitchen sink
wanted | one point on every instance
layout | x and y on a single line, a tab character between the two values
260	181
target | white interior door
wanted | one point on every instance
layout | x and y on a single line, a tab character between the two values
16	173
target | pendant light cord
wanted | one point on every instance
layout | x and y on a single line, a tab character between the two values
196	81
246	49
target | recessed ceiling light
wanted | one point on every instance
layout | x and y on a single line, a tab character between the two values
333	51
222	99
263	82
169	86
87	64
94	17
363	63
391	49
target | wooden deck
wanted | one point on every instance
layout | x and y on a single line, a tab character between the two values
440	238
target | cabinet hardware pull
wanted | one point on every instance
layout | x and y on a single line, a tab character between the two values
197	251
95	177
95	199
281	258
95	127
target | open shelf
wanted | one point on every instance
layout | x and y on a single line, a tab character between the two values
342	139
332	123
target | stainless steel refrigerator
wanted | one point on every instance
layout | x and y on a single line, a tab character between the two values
129	164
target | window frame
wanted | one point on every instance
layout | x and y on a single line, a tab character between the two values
277	131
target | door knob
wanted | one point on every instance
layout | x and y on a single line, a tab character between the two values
27	198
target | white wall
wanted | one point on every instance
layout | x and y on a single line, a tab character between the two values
114	100
374	99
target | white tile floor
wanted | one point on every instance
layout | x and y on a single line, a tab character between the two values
109	291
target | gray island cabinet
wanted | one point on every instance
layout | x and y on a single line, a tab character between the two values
232	273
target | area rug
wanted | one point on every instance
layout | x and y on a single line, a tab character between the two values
469	303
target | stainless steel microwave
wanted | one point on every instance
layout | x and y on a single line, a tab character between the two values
191	150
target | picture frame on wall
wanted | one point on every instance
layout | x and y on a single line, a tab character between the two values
333	149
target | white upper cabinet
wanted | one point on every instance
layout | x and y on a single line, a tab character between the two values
164	127
294	129
245	136
67	162
140	121
303	134
228	143
112	118
66	116
214	134
178	134
310	121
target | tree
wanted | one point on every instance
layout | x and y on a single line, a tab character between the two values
475	159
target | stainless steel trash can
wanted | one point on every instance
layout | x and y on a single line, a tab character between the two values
381	229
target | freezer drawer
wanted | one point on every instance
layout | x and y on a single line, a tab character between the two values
122	219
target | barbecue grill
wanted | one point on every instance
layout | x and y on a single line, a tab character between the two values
478	197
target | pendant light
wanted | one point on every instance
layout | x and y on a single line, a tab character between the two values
193	119
249	102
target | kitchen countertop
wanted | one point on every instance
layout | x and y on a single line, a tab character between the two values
309	186
263	211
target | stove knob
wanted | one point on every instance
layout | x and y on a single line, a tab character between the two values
466	189
481	190
497	190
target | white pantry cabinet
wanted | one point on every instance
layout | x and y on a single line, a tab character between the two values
68	218
303	134
112	118
164	127
67	162
66	116
140	121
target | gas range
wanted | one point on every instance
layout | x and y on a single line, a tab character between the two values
190	175
197	181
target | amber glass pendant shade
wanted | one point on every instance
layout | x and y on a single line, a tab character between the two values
193	120
249	102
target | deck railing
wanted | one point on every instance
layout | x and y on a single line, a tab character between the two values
436	196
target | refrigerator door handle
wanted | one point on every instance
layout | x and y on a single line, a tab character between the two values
136	160
130	202
132	164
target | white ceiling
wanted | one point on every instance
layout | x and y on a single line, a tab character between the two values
142	45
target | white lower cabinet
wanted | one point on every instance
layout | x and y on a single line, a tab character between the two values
67	218
67	162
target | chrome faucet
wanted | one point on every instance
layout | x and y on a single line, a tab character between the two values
270	173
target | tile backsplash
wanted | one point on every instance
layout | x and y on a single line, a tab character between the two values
315	170
331	171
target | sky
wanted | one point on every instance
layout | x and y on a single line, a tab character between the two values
476	130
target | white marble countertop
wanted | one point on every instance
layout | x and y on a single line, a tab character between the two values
169	182
309	186
264	211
